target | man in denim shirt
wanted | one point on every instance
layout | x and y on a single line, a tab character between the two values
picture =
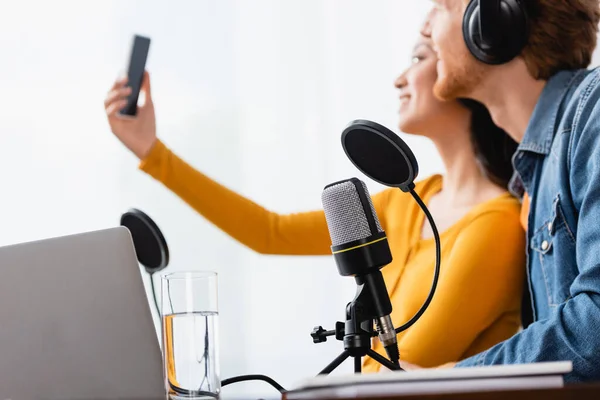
528	66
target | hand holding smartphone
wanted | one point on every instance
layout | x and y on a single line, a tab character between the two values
135	72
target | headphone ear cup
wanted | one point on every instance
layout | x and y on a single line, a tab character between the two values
513	24
471	31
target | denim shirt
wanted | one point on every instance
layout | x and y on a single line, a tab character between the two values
558	165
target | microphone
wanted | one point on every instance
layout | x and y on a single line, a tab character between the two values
360	249
359	244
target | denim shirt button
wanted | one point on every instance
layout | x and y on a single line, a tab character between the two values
550	227
545	245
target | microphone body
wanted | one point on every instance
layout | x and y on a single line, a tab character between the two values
360	249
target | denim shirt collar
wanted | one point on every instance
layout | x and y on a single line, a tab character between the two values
540	130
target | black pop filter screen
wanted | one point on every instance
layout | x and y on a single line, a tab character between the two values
380	154
150	245
376	156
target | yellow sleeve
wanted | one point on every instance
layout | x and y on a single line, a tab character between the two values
266	232
481	279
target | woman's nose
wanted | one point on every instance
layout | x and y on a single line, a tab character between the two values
401	81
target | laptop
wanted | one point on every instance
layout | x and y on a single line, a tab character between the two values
76	322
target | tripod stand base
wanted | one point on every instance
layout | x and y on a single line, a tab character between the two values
384	361
335	363
358	362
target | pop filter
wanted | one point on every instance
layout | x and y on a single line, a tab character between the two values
380	154
150	245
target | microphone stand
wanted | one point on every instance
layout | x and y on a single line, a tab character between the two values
357	331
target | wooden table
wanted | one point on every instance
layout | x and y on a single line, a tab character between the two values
574	392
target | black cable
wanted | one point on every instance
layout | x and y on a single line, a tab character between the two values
192	393
154	294
438	256
225	382
243	378
228	381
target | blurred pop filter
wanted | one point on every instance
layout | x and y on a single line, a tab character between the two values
150	245
380	154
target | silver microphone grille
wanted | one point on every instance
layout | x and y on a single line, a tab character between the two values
345	214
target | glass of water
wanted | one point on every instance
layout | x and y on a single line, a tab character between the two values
190	335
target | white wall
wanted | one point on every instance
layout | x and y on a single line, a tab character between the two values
253	93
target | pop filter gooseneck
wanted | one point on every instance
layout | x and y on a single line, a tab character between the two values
149	243
382	156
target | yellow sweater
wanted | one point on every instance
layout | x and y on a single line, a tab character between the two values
478	297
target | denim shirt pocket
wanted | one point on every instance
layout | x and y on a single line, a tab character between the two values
554	245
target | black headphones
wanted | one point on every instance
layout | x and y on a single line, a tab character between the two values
495	31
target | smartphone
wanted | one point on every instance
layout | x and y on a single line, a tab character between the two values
135	72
